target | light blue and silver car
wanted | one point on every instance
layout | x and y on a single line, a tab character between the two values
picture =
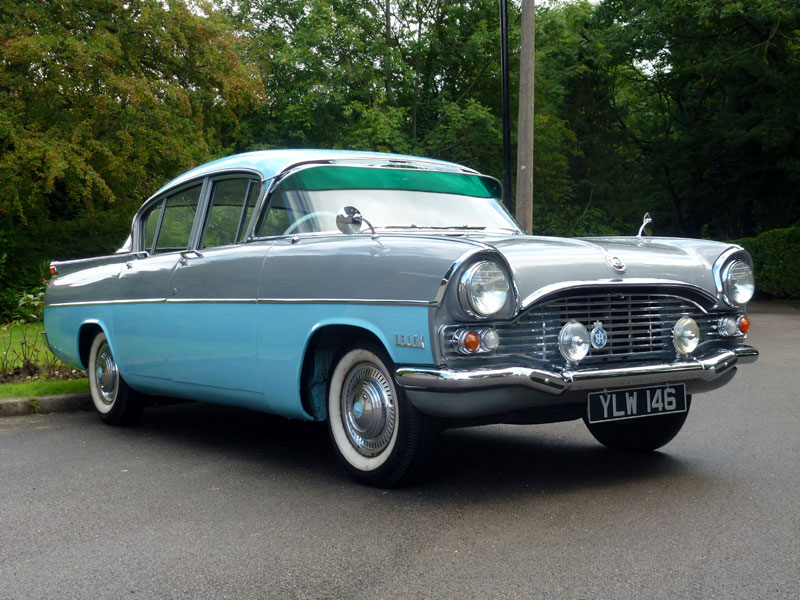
392	296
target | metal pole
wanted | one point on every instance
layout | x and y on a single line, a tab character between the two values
524	210
506	104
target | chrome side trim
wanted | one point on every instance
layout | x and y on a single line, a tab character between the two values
375	301
372	301
211	300
555	288
707	367
105	302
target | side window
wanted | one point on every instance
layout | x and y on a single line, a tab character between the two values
278	217
150	222
232	202
252	198
176	224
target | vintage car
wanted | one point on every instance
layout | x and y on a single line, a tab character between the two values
392	296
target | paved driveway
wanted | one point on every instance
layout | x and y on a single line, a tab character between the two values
211	502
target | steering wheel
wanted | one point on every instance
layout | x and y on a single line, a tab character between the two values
305	218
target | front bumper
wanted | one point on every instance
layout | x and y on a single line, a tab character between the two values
526	387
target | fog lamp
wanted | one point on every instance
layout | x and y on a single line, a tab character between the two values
728	326
573	341
686	335
489	339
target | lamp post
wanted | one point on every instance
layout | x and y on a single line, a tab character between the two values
506	104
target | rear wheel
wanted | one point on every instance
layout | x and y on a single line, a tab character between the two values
379	436
116	403
639	435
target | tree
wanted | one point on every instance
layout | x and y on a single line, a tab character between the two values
100	103
706	92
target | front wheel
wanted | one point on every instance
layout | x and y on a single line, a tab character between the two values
116	403
639	435
379	436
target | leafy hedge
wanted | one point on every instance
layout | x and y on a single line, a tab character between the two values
26	253
776	258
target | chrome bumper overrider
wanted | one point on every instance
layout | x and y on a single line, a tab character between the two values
707	367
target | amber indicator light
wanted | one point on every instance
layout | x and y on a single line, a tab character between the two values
472	341
744	324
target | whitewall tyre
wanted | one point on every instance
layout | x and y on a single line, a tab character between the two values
116	403
379	436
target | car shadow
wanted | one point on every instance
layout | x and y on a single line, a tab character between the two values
499	460
490	460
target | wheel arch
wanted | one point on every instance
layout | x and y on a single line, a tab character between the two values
321	349
86	334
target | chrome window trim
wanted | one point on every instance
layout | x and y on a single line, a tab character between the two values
398	164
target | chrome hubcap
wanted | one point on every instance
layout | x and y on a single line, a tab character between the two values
368	409
106	375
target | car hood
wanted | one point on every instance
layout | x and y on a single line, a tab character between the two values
541	264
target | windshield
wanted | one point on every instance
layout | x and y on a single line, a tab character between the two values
390	199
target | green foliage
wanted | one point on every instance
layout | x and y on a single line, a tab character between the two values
686	109
776	261
101	103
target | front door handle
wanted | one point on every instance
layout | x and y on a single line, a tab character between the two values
187	254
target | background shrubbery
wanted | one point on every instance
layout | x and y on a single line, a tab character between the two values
776	258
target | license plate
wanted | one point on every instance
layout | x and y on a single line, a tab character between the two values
635	403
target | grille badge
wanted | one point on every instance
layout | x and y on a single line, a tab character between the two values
598	337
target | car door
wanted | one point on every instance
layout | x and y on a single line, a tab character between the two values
141	316
212	300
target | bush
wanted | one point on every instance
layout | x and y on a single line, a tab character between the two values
776	259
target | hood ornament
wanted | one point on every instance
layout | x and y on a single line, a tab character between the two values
645	222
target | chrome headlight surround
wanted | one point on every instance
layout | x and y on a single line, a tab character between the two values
738	283
733	276
484	289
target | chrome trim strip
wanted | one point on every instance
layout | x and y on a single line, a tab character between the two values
716	269
707	367
373	301
211	300
554	288
346	301
104	302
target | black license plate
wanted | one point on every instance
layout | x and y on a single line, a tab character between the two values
615	405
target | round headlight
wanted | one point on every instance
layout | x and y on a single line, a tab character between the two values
484	289
573	341
738	282
686	335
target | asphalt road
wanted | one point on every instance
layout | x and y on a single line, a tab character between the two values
211	502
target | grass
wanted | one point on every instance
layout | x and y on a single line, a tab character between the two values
11	337
23	346
44	388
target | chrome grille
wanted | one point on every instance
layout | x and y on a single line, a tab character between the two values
639	327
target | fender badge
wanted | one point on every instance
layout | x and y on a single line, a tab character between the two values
615	262
599	337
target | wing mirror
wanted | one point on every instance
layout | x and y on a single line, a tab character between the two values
349	220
